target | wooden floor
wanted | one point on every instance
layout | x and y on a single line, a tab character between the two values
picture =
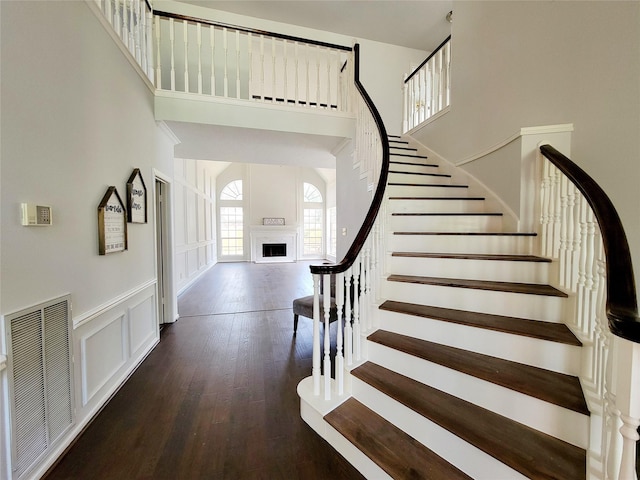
217	397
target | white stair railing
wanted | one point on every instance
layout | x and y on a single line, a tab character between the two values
132	21
356	276
427	88
217	60
581	229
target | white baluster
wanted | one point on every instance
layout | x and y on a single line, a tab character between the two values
199	40
297	73
132	42
237	63
318	101
544	206
563	229
212	44
226	62
557	214
172	34
108	11
328	90
572	239
356	309
611	447
602	328
306	55
348	331
139	21
158	63
262	93
185	36
405	96
250	54
326	297
117	20
582	266
339	338
285	93
273	70
315	369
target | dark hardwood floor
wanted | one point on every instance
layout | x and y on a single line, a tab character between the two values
217	397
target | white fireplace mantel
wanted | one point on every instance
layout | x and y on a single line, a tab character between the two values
261	234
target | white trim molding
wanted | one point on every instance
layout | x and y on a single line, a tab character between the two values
540	130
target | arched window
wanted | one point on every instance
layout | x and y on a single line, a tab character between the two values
313	213
231	220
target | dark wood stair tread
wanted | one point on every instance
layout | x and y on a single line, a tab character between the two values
412	149
401	184
444	175
512	287
445	214
396	452
406	155
475	256
472	234
437	198
433	165
549	331
552	387
532	453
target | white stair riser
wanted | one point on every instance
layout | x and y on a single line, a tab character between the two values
534	307
407	164
419	179
471	460
445	223
495	270
432	206
435	191
507	245
553	356
546	417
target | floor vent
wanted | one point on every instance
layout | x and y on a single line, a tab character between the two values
40	379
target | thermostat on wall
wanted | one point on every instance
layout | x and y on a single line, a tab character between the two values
36	215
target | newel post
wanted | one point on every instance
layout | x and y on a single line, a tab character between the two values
628	404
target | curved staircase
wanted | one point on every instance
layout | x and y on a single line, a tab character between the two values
472	372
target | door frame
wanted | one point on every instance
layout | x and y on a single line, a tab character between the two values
164	251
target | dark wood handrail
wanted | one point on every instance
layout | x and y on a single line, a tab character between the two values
370	219
281	36
428	58
622	304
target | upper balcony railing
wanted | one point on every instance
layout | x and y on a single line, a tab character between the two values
427	88
132	21
202	57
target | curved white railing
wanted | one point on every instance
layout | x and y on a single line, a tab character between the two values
581	229
427	88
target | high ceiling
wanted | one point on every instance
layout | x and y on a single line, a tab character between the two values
419	24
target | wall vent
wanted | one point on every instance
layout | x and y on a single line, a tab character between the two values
40	380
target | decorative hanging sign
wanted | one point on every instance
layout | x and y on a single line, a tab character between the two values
136	198
112	223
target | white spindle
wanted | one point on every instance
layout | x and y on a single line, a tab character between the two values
108	11
285	68
250	55
306	55
326	297
212	45
158	62
237	63
339	337
185	39
296	95
139	22
356	309
199	41
132	41
273	70
315	369
348	332
172	35
262	74
318	97
225	48
117	19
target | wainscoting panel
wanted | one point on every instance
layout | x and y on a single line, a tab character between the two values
102	354
142	324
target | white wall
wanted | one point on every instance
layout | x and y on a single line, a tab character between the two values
194	220
76	118
271	191
520	64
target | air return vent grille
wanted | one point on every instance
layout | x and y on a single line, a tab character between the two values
40	378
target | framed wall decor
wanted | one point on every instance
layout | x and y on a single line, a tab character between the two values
136	198
112	223
272	221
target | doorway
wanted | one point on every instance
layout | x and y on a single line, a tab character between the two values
162	250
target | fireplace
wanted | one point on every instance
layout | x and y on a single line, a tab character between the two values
274	250
273	243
